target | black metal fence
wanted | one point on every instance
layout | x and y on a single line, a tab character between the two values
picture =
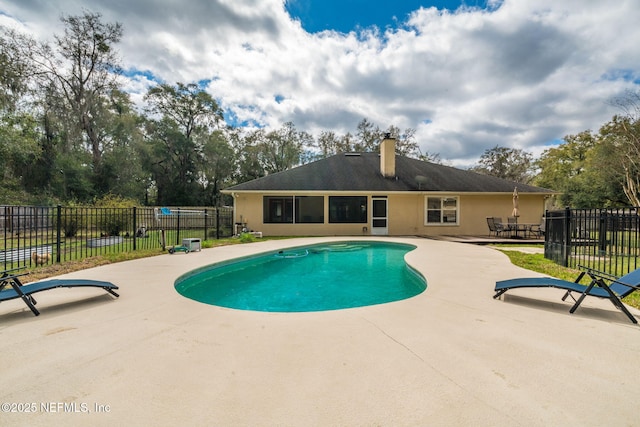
34	235
604	239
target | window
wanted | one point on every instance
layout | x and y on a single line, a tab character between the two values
277	209
442	210
309	209
348	209
281	209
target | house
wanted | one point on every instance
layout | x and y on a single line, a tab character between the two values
379	194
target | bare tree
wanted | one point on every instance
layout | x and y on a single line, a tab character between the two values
80	69
623	133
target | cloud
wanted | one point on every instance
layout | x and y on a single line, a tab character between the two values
519	74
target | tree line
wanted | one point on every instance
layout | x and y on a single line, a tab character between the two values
70	133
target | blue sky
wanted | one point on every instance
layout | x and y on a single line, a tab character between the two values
511	73
348	15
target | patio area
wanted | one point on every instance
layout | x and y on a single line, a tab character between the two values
450	356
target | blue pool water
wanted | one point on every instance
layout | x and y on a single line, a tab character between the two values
310	278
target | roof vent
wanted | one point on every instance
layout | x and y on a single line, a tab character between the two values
352	154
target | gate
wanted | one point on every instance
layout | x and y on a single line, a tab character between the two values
604	239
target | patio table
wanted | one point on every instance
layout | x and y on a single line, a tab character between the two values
515	228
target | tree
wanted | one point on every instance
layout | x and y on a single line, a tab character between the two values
123	174
579	169
508	163
172	160
15	68
623	134
327	143
406	144
246	150
79	70
430	157
18	126
218	165
281	149
368	137
175	157
188	105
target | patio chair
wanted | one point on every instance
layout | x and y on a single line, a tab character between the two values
614	291
25	292
537	230
495	228
513	226
506	227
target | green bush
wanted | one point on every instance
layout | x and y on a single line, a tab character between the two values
224	232
72	220
116	216
247	238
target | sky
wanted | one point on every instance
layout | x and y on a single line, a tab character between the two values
467	76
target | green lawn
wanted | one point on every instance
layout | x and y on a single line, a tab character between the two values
537	262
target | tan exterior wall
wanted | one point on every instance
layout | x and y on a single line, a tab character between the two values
406	215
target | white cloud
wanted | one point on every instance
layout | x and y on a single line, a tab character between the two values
523	74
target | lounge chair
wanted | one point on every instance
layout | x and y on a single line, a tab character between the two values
18	290
614	291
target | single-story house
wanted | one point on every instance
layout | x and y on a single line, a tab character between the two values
380	194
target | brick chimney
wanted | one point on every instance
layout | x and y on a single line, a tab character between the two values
388	156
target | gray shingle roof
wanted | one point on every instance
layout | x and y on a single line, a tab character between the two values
361	172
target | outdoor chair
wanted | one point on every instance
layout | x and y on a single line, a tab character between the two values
25	292
537	230
615	290
512	224
495	228
506	227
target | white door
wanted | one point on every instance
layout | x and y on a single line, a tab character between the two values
379	220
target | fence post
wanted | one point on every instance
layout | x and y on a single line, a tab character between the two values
602	235
547	246
135	228
217	223
567	237
178	232
206	214
58	232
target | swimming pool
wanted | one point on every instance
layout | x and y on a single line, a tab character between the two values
310	278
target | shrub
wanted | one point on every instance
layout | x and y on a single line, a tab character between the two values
72	220
247	238
115	217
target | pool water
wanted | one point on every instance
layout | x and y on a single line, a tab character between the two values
310	278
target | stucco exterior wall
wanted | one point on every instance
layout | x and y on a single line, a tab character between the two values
406	215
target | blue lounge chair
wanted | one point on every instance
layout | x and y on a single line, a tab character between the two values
19	290
614	291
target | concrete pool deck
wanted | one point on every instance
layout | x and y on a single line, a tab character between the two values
450	356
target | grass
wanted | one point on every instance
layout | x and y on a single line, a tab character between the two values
538	263
43	272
